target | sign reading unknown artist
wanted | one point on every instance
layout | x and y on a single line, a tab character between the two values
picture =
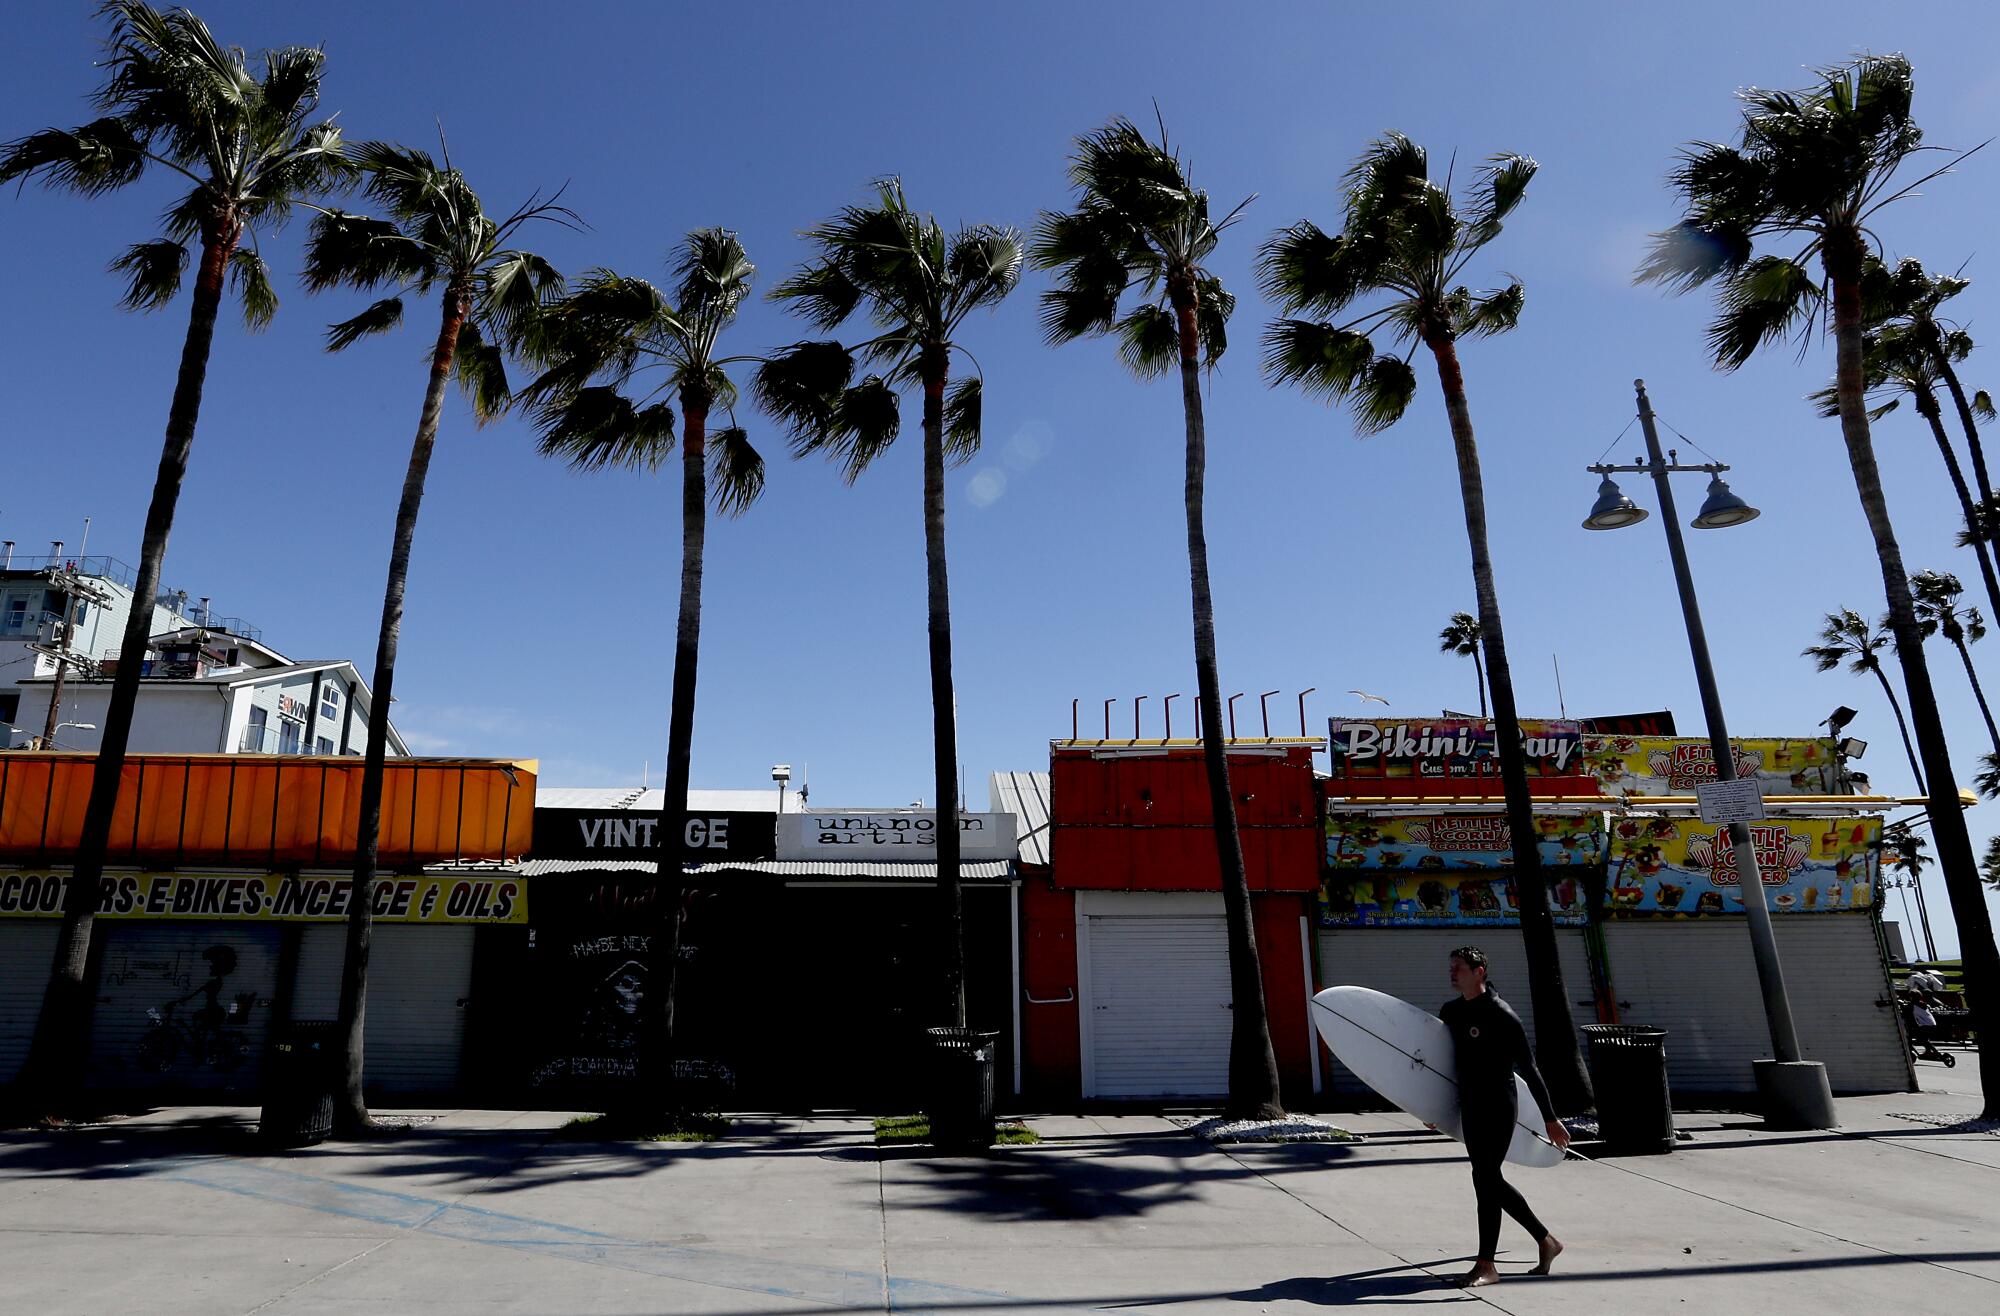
891	835
32	893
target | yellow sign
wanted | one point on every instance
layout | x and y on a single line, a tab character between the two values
1664	765
242	897
1680	866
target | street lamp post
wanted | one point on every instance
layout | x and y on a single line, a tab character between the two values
1795	1090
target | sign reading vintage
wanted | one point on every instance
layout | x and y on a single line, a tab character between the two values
1406	755
39	893
631	834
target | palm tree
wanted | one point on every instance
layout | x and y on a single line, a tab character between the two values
619	354
1461	636
1914	300
1898	363
1904	849
1846	637
917	286
1989	864
1935	597
1407	237
1140	221
436	237
1811	173
174	100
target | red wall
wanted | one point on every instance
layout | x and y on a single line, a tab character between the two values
1144	824
1051	1063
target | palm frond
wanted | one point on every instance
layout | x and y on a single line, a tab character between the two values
153	272
360	252
290	85
1691	253
1213	306
595	428
99	157
1149	342
1495	312
377	319
713	273
984	264
1766	300
1502	184
250	277
821	292
481	367
800	387
863	422
735	471
1067	314
514	288
1982	405
962	414
1308	271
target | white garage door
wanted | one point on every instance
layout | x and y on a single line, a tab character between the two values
27	950
418	979
1412	963
1697	980
183	1006
1155	1017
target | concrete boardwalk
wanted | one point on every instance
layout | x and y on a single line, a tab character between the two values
483	1212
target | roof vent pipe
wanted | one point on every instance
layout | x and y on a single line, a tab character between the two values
204	609
7	544
55	552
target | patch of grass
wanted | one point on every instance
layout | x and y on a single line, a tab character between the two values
906	1130
645	1128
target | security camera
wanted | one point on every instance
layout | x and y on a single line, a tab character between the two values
781	773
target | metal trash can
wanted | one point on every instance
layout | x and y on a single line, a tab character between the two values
299	1080
1628	1067
961	1087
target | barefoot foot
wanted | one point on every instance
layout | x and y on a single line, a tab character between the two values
1478	1277
1551	1249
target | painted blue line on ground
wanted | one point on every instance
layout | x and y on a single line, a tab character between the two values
804	1282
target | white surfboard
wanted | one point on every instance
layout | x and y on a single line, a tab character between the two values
1406	1055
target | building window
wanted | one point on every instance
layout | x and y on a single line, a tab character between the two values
329	701
253	733
291	735
323	746
10	706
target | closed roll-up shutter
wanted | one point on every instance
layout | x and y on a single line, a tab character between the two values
316	981
419	979
27	950
1157	1017
1697	980
183	1006
1412	964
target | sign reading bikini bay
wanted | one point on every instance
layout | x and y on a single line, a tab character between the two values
1393	756
891	836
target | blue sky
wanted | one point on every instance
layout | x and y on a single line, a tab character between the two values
541	602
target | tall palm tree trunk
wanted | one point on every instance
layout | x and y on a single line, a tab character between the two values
1971	676
1896	707
1927	407
52	1078
1980	958
660	1052
944	701
1556	1048
1965	417
1253	1065
1479	675
350	1107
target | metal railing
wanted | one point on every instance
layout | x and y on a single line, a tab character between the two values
39	625
123	573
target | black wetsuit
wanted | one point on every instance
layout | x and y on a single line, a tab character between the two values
1492	1046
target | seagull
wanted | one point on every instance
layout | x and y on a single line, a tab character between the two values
1366	697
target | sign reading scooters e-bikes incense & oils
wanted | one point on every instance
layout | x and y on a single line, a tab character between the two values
249	897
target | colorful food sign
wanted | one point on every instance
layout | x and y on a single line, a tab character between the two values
1661	765
1446	870
1681	866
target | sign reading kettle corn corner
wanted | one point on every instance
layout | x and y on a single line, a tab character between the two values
1448	870
1685	867
1661	765
249	897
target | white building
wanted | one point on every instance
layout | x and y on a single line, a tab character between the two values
210	685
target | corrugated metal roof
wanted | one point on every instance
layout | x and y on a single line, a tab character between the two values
992	870
1026	796
652	801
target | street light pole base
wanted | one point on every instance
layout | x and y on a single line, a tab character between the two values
1795	1094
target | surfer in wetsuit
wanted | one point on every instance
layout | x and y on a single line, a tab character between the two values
1491	1048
